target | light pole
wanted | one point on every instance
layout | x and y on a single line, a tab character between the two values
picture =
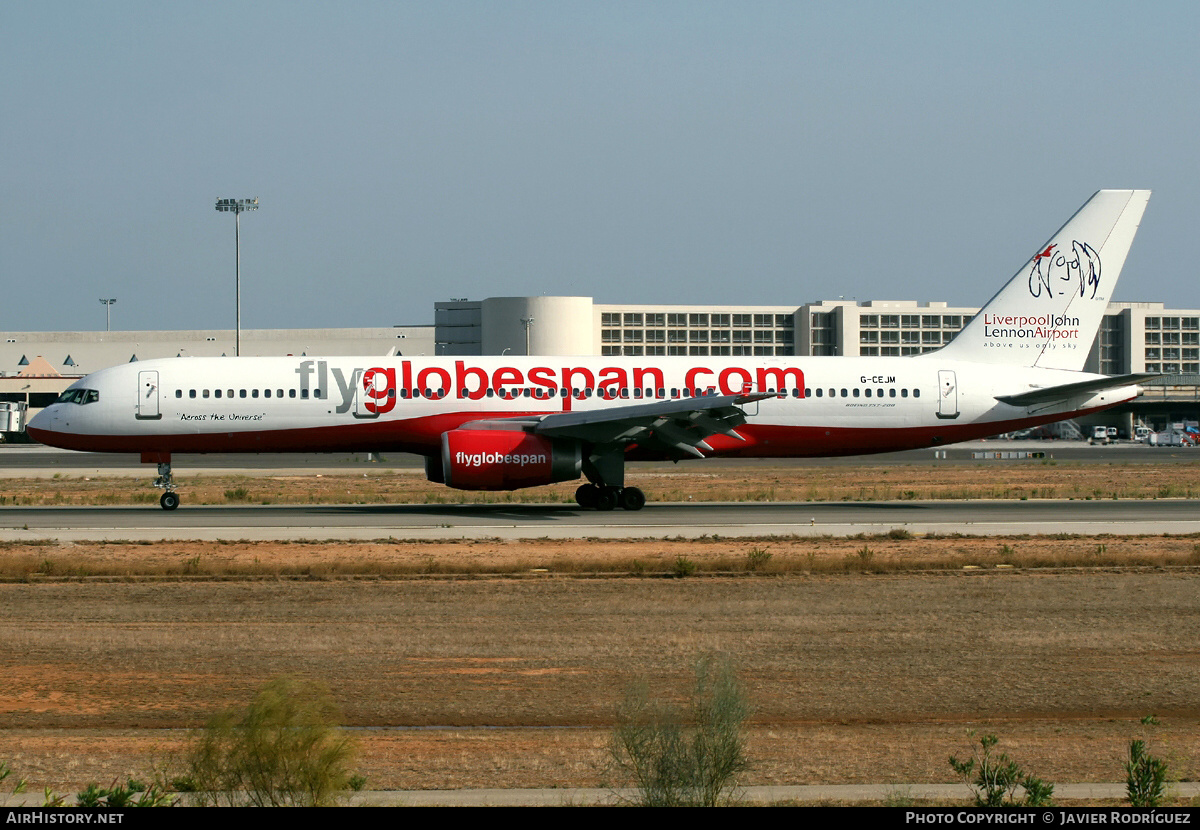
527	322
108	312
236	207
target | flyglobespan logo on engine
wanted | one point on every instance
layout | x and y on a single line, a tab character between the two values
481	459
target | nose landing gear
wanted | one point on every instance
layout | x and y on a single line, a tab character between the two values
166	481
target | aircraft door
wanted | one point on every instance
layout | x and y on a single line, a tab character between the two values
362	396
947	395
147	408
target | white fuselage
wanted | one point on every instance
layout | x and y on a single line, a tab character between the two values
825	405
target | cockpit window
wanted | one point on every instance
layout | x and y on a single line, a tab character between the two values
79	396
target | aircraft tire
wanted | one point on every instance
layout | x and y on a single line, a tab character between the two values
169	501
587	495
632	498
607	498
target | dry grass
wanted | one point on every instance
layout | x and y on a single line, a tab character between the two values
895	552
752	482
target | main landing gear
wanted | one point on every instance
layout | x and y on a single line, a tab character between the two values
604	468
606	498
166	481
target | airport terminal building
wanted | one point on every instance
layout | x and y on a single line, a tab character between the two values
1134	337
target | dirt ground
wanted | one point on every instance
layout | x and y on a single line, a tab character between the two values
857	672
495	663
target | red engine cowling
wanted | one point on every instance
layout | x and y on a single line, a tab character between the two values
492	459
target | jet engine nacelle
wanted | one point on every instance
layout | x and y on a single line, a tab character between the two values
492	459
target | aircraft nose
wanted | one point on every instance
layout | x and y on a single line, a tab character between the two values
43	426
40	420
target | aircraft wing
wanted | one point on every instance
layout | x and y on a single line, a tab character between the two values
678	426
1071	390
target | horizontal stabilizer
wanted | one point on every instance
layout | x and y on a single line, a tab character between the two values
1072	390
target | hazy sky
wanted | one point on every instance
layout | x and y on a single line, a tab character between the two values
715	153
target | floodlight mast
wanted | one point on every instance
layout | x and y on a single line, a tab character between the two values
236	207
108	312
527	322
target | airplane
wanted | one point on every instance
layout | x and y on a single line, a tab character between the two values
505	422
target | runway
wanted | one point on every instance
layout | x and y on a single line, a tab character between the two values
35	460
516	521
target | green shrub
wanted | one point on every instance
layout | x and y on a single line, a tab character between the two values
18	787
284	749
1145	776
683	566
994	778
684	759
757	558
118	797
